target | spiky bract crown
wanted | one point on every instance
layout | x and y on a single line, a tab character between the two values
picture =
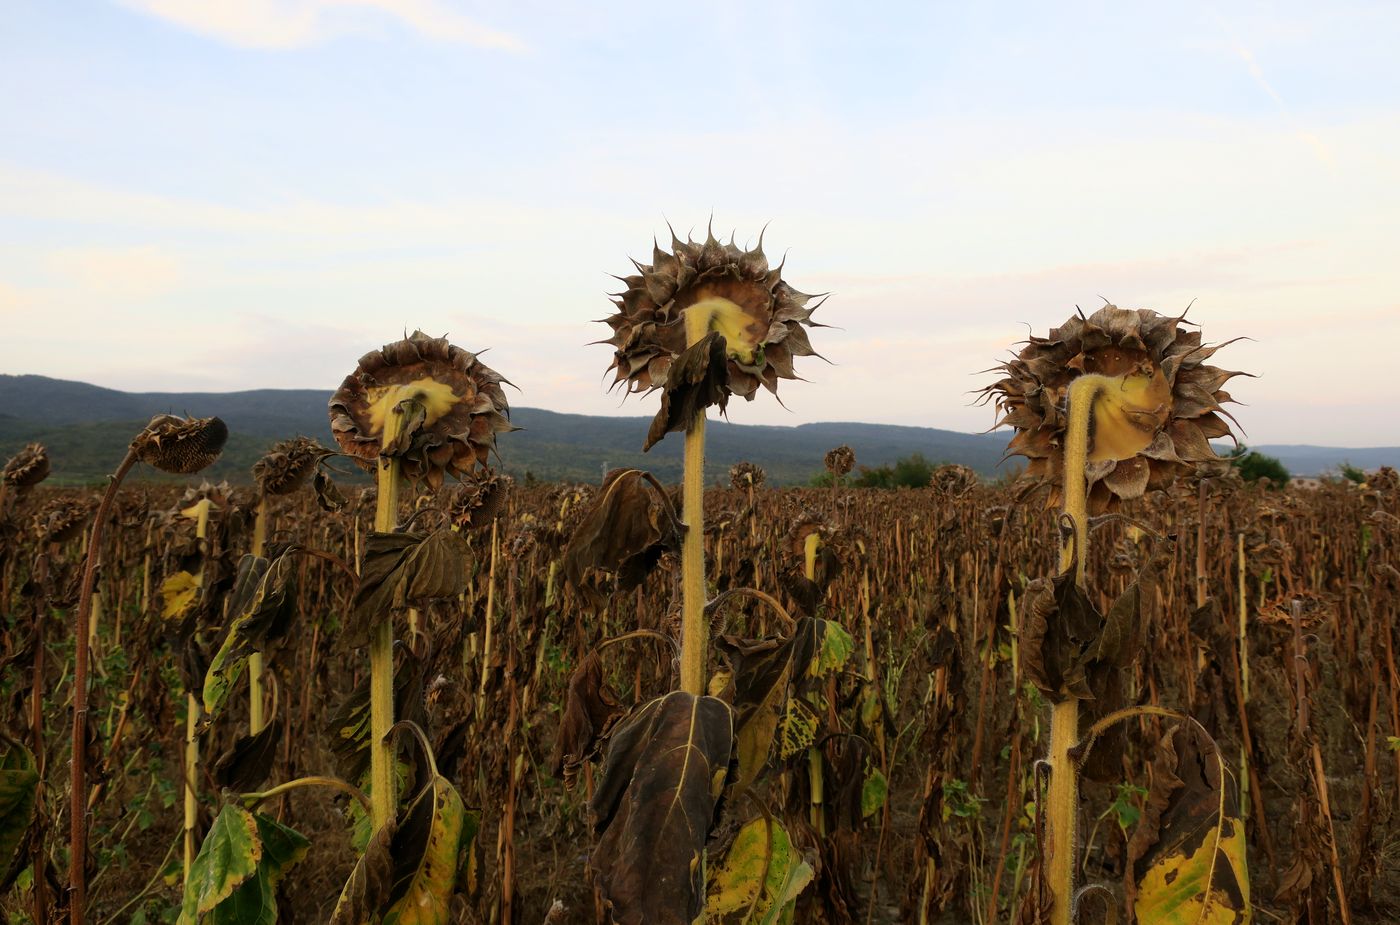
461	408
649	326
1115	342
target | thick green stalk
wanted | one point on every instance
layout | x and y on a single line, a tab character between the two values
381	647
694	631
1062	803
256	719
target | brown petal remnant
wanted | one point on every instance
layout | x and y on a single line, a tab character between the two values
453	407
1153	426
27	468
180	445
654	807
952	481
763	328
746	475
840	461
288	464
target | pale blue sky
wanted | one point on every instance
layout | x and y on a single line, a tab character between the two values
221	194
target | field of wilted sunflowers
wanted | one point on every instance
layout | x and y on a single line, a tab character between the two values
1129	687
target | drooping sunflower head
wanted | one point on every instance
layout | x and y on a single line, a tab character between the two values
840	461
952	481
287	465
444	408
1159	406
761	318
180	445
27	468
746	475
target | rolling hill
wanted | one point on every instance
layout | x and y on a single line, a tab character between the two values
86	427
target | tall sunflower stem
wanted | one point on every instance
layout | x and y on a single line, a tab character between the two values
694	631
77	863
1062	802
381	645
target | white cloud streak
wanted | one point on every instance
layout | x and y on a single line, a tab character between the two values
290	24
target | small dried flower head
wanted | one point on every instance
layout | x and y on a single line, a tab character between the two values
453	407
746	475
477	502
27	468
288	465
180	445
761	318
62	520
840	461
1153	420
952	481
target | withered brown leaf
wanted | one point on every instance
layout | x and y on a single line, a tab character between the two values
697	379
623	535
589	714
402	570
655	805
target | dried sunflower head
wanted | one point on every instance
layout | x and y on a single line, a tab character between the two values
746	475
476	503
63	519
1160	406
840	461
27	468
952	481
287	465
180	445
452	404
760	317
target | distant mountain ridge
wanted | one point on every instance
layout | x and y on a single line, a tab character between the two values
87	427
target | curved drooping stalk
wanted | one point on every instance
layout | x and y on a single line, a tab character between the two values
77	874
1062	803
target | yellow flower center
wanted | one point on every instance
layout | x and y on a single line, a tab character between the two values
1129	411
437	399
743	334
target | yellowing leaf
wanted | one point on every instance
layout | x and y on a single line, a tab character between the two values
834	647
760	877
178	593
1188	851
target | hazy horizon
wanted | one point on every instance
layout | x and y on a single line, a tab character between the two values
218	196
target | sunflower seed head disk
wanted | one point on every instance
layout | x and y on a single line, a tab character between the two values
454	402
763	334
1184	411
180	445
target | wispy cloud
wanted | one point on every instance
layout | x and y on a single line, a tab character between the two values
287	24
